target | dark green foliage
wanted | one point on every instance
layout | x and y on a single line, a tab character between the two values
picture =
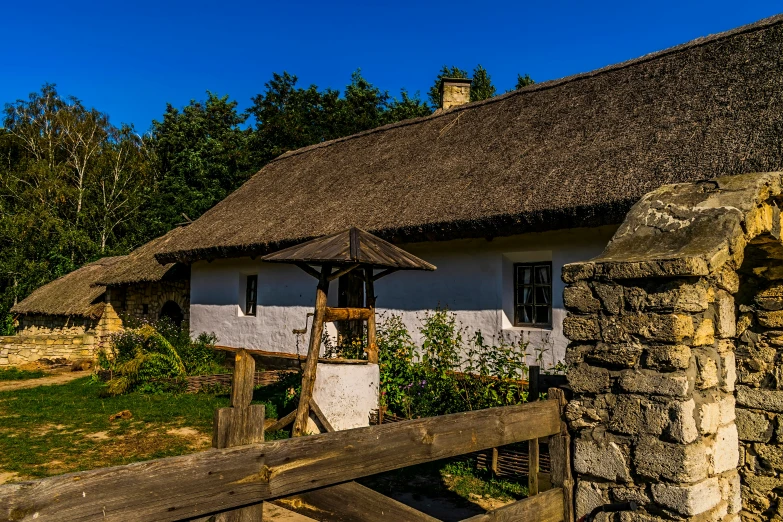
481	87
446	374
524	81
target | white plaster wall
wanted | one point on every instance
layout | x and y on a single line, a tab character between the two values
474	279
346	393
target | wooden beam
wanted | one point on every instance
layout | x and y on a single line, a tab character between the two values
369	290
346	314
309	372
342	272
546	507
532	467
213	481
560	457
320	416
310	270
282	423
350	502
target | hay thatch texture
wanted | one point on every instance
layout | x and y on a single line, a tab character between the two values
141	266
573	152
72	294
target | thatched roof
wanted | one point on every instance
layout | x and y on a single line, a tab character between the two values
572	152
350	247
72	294
140	265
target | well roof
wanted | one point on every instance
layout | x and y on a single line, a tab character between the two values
75	293
348	247
566	153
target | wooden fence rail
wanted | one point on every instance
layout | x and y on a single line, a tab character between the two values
210	482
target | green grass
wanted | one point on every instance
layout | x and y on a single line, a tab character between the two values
464	479
51	430
15	374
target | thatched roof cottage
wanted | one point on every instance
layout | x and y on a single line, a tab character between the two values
498	194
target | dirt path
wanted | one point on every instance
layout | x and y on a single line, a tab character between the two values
57	378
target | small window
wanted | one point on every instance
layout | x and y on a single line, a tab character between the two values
533	294
251	295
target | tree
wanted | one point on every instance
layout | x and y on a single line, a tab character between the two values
200	154
481	87
524	81
445	72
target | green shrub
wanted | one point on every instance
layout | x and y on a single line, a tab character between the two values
446	375
15	374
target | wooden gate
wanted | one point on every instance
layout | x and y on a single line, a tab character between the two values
314	473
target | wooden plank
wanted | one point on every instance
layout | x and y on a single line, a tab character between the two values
342	272
532	467
372	344
560	457
351	502
346	314
282	423
308	375
546	507
494	464
195	485
237	427
320	416
243	379
310	270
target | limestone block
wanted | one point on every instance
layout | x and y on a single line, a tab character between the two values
674	384
691	499
588	379
583	414
668	357
771	298
725	449
603	460
682	421
708	371
728	367
625	355
657	327
730	491
589	495
576	352
581	328
611	297
678	297
725	315
767	400
728	409
677	462
709	417
769	456
573	272
636	494
705	333
578	297
770	319
744	321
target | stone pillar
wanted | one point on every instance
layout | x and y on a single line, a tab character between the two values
652	371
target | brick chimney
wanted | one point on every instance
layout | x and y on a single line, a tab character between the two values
454	92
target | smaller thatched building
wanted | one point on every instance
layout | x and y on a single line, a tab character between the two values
75	315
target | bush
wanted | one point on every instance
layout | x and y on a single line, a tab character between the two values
157	358
446	375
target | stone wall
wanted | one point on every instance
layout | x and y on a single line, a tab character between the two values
54	324
682	300
144	301
18	350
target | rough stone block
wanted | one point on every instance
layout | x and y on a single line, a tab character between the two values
658	327
725	315
725	449
588	379
691	499
604	460
583	414
668	357
707	376
611	297
728	366
709	417
589	495
578	297
731	492
581	328
636	494
767	400
676	462
728	408
674	384
682	423
678	297
705	333
769	456
770	319
624	355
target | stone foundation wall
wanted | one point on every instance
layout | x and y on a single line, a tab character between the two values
54	325
17	350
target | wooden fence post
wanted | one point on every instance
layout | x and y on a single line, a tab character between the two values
532	445
560	455
240	424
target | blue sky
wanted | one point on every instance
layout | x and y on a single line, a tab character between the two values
130	58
